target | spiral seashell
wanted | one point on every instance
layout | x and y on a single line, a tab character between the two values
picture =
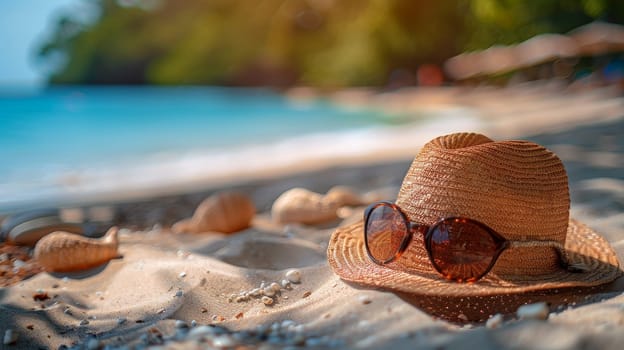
64	252
299	205
224	212
343	196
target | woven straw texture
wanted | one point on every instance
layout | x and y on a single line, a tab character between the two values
518	188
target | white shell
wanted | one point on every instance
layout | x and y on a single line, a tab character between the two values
225	212
299	205
293	275
343	196
63	252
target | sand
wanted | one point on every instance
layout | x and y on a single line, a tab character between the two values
165	284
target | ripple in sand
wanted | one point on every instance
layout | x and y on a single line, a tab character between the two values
271	254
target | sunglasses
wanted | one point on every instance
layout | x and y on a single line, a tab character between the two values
460	249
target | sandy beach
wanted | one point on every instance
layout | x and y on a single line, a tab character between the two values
179	290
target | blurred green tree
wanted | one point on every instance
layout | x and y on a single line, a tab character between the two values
328	43
512	21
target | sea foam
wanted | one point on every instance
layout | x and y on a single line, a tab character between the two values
170	172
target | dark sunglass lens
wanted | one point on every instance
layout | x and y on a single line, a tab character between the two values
385	232
462	250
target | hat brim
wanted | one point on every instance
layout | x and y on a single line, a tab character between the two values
347	257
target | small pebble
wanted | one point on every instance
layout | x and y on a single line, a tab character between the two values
274	339
269	292
179	293
495	321
285	284
84	322
10	337
193	323
201	331
306	294
293	275
364	324
537	311
365	299
180	324
224	341
288	323
314	342
182	274
93	344
267	300
263	328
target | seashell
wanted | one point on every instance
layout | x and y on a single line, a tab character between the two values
26	228
343	196
225	212
63	252
299	205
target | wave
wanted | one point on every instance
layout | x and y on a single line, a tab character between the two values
167	173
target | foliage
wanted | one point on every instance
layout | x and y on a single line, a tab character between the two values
512	21
283	42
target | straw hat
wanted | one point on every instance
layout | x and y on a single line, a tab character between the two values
518	188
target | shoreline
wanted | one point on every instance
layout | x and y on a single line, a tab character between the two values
498	113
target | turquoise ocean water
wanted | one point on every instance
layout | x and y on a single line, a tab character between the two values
51	136
71	141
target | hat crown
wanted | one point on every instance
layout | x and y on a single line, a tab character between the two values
518	188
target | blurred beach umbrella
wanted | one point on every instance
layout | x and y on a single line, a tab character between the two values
544	48
463	66
502	59
598	38
498	59
495	59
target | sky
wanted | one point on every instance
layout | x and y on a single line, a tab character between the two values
23	26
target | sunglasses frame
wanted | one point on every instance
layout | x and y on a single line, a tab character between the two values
413	228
